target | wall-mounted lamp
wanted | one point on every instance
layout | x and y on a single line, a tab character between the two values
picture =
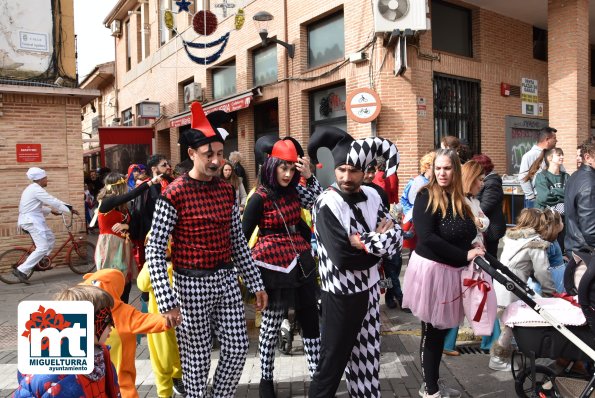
262	20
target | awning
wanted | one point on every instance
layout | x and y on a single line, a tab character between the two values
91	152
229	104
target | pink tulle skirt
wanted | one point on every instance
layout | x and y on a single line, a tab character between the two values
432	291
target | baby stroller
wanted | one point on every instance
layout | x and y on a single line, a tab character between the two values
575	343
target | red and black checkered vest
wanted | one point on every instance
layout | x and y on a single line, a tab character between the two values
201	238
276	249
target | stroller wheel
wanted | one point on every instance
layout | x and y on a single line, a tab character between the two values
544	382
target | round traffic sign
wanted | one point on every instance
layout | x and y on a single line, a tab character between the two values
363	105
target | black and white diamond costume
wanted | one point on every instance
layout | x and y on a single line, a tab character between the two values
203	219
349	276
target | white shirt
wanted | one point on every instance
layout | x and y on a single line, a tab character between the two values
31	209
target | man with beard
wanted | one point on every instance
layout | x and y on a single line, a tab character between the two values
200	212
354	232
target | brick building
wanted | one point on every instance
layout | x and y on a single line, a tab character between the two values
464	77
40	109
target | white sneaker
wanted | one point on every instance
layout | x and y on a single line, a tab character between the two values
443	391
500	364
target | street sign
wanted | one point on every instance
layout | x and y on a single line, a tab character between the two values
363	105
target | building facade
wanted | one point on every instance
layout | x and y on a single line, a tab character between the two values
40	110
492	73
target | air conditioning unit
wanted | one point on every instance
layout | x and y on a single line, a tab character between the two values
116	121
192	92
116	28
400	14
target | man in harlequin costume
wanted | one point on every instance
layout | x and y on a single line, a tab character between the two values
201	214
102	382
354	232
128	322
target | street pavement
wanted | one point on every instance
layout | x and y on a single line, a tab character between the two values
400	368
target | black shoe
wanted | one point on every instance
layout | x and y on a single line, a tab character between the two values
407	310
21	276
266	389
391	303
179	387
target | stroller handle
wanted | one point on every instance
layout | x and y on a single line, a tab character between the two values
494	265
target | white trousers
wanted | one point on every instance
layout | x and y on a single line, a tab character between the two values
44	243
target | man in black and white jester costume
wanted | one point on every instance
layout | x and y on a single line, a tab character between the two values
354	232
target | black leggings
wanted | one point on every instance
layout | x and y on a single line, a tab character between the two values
430	350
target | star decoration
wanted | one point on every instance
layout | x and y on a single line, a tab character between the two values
183	5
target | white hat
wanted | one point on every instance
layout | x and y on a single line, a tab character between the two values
35	173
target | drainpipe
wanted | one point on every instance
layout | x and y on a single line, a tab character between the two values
287	119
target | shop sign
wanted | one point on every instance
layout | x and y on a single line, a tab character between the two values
363	105
231	105
529	97
422	107
28	153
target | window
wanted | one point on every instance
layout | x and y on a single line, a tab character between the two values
451	28
141	121
326	40
456	110
128	44
539	44
127	117
327	106
266	121
265	65
164	33
224	80
146	35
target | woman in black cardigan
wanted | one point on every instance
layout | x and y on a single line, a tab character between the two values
490	198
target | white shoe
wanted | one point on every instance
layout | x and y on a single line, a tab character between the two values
500	364
443	391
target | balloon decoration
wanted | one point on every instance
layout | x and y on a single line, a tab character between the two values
204	23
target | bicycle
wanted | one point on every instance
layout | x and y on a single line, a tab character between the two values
81	262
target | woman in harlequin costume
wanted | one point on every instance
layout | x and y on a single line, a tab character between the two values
275	209
102	382
128	321
163	347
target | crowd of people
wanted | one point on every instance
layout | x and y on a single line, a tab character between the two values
186	234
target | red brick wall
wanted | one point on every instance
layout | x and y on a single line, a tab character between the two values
55	123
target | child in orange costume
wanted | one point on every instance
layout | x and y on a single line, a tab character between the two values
129	321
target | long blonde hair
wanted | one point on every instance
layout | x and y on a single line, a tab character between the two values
439	197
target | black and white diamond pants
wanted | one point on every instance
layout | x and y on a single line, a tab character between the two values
269	337
350	344
215	298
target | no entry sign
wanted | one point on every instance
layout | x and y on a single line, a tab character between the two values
363	105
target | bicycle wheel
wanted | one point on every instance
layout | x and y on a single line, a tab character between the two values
81	257
544	382
9	260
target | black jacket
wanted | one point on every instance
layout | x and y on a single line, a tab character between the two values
490	199
579	209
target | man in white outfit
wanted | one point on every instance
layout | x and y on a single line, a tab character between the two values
35	204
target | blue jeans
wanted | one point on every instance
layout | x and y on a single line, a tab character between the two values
557	273
392	270
529	203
